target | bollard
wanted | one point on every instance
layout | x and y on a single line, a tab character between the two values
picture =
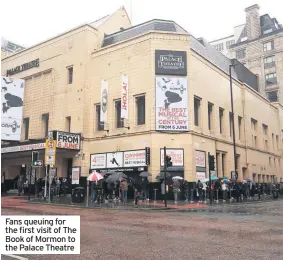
192	195
155	195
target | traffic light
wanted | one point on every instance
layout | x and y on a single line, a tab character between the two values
34	158
211	160
168	161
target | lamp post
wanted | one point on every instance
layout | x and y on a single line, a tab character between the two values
233	120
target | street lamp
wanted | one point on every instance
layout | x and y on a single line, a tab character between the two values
233	120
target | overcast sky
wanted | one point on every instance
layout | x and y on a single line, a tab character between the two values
27	22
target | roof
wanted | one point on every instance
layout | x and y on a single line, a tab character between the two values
153	25
100	21
239	72
200	46
230	36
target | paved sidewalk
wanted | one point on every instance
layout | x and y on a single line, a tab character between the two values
66	201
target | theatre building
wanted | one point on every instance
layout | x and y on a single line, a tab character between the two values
116	94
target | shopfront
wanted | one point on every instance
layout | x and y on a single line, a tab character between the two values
131	162
17	159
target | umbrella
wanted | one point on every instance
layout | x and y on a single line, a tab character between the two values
95	176
117	176
145	174
177	178
161	176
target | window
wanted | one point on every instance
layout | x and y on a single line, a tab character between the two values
273	142
197	110
254	125
45	119
266	145
269	62
272	96
119	120
99	125
277	142
271	78
221	114
241	54
229	43
218	47
269	161
267	31
223	164
26	127
140	103
264	129
268	46
210	110
68	124
231	123
240	127
254	132
70	75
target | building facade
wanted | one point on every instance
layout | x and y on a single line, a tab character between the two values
259	45
117	100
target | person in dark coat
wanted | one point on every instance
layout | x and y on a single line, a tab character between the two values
186	191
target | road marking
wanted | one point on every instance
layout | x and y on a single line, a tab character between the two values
16	257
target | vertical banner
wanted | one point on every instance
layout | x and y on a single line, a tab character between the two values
104	101
124	96
12	97
172	104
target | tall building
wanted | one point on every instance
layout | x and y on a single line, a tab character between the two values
258	44
8	48
116	94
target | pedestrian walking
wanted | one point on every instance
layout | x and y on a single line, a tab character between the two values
124	190
224	190
58	186
199	187
93	191
186	191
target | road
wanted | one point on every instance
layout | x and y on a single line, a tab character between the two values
252	231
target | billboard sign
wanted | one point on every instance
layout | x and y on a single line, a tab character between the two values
171	104
12	98
170	62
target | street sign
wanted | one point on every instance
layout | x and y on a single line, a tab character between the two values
50	152
38	163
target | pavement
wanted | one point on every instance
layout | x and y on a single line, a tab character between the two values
237	231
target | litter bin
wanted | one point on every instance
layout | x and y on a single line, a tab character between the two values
78	195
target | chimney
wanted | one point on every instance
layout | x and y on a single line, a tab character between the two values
253	22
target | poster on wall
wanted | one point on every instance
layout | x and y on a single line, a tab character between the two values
12	98
200	159
115	160
177	156
124	96
104	101
135	158
98	161
68	140
76	172
200	176
171	104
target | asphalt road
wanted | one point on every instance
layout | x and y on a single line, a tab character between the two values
251	231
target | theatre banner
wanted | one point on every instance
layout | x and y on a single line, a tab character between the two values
171	104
